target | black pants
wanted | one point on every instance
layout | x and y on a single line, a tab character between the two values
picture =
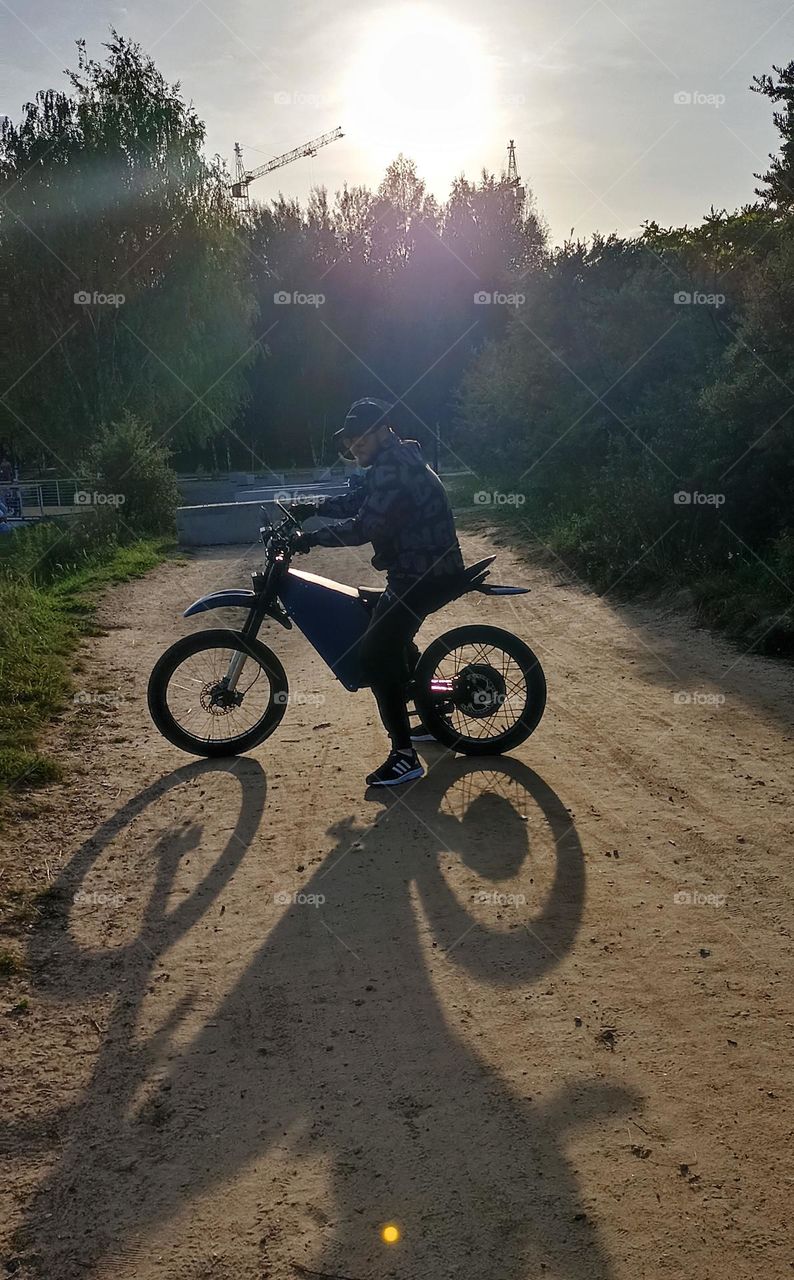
388	652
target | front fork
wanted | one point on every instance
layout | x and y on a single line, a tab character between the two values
266	604
229	681
238	660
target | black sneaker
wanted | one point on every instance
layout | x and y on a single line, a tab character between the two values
401	766
419	734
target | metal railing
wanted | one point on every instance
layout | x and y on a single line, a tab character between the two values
23	498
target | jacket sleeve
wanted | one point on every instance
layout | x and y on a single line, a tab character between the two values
341	504
386	507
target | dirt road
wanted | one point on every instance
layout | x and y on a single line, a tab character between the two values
536	1012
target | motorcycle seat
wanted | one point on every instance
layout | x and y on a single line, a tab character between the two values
469	580
477	572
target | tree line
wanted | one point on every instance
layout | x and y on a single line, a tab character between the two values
637	391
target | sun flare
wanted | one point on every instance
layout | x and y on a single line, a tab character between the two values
421	83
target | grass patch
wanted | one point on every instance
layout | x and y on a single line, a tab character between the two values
634	550
49	585
9	965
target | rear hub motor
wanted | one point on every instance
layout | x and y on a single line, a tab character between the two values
480	691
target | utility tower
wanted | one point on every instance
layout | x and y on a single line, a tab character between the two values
511	177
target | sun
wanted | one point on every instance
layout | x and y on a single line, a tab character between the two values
421	83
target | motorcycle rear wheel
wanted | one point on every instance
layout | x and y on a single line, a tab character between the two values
479	690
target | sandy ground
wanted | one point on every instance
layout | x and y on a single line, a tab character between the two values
587	1077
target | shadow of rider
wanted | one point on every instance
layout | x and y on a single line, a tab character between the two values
337	1051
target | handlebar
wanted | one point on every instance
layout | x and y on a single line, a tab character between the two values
279	537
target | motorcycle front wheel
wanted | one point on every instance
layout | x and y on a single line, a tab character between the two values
479	690
217	693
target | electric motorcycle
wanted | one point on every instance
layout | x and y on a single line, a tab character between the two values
477	689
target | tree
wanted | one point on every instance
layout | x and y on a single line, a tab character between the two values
778	190
119	261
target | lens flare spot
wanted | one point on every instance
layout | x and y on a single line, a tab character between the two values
390	1234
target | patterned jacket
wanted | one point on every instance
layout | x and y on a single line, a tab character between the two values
401	508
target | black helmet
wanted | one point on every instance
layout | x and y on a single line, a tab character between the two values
362	417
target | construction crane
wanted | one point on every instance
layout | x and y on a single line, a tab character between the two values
512	179
243	178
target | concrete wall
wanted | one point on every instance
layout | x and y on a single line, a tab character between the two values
287	492
219	523
215	524
241	486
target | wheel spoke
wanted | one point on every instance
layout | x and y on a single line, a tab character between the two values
199	701
490	671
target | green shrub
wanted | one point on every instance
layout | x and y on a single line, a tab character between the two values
132	472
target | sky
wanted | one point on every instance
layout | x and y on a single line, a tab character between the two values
621	110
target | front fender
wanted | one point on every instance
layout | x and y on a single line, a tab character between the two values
233	599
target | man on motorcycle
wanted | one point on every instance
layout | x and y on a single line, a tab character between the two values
403	510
